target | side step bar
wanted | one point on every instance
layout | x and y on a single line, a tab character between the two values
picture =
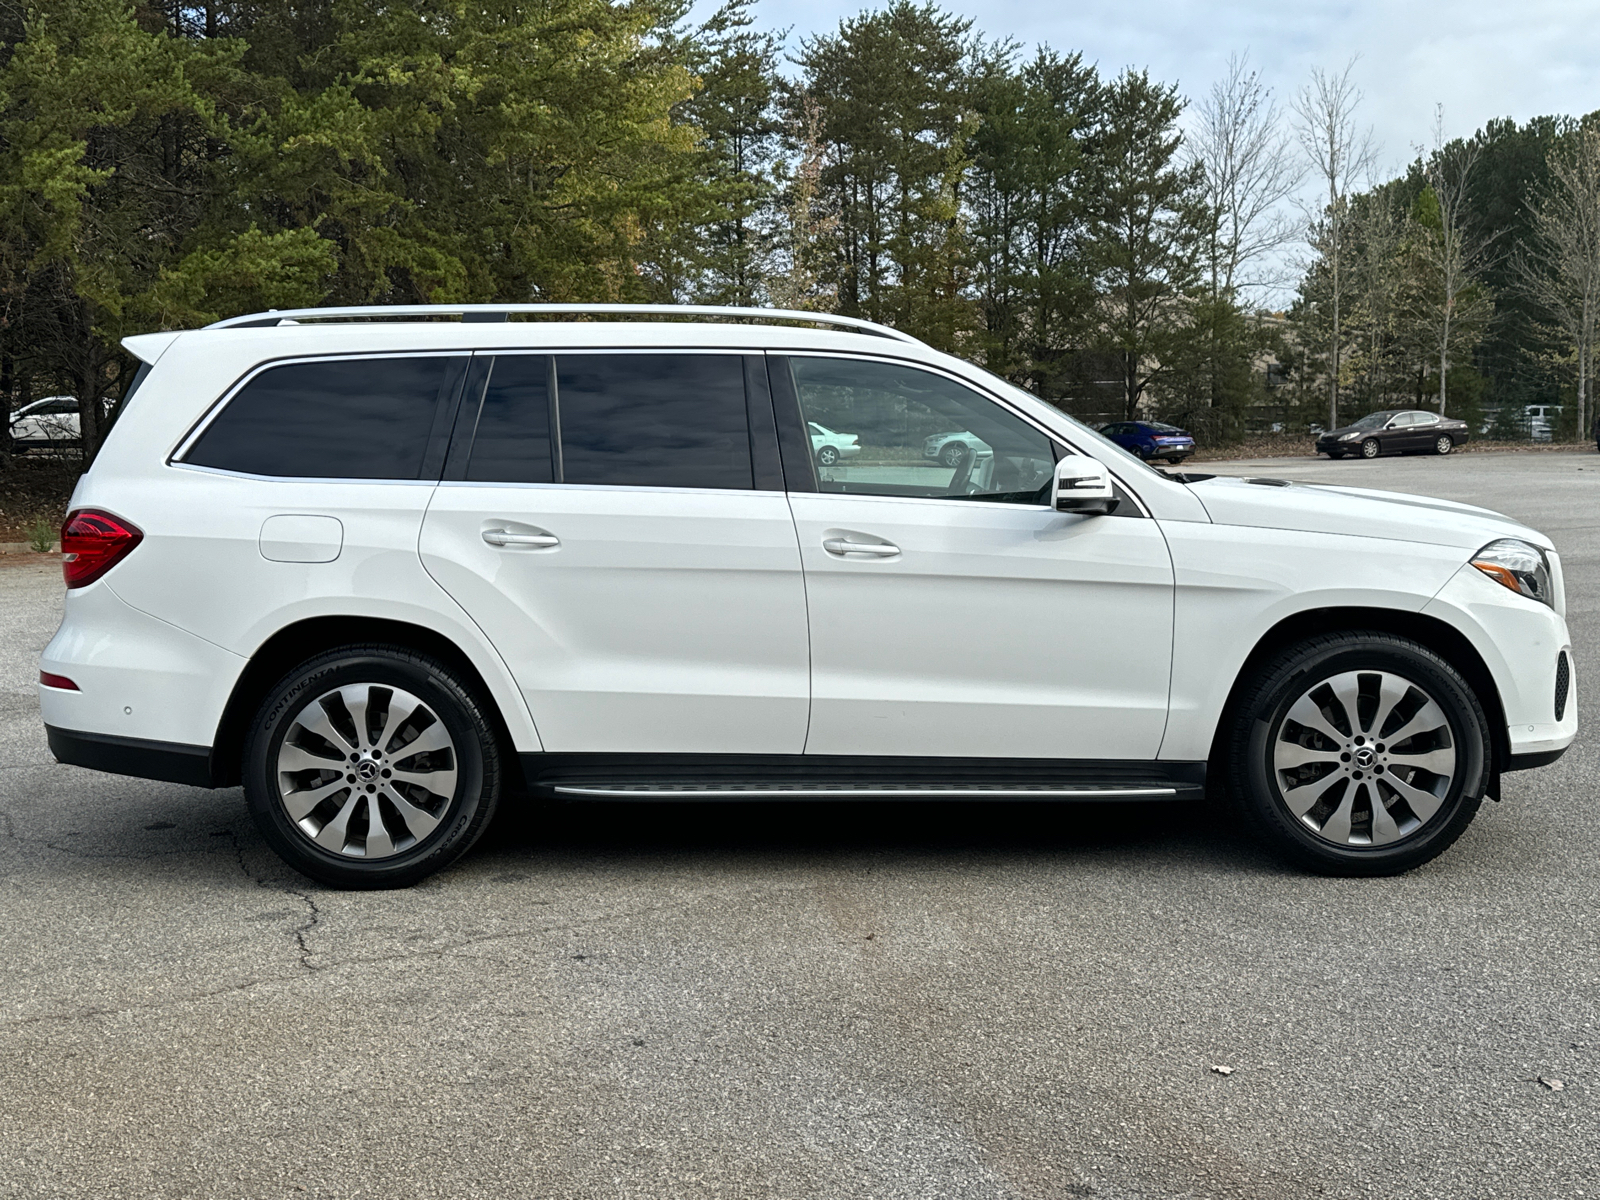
864	791
643	777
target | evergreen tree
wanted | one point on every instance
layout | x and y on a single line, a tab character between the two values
1028	192
892	90
1147	222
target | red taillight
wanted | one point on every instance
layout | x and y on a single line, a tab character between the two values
92	542
57	681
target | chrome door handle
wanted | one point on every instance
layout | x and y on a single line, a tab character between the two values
846	546
504	537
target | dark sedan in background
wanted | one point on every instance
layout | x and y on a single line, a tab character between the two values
1151	439
1394	431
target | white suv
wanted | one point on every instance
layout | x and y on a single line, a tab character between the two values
383	567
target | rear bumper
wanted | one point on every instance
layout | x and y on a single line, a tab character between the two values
170	762
1531	762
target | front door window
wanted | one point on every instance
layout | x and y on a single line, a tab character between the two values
919	435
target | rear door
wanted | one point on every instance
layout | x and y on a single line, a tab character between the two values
1426	429
616	524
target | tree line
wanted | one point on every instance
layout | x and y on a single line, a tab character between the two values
163	165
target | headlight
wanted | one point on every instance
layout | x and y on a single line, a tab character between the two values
1519	566
1351	437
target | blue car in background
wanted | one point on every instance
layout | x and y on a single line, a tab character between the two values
1151	439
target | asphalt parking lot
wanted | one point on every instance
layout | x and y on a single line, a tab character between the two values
825	1001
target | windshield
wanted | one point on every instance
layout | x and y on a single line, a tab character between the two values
1158	427
1375	420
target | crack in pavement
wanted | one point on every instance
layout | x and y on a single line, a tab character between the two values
436	952
300	933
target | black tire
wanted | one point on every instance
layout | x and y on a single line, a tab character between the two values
827	455
1444	444
477	764
1176	461
953	454
1370	448
1263	707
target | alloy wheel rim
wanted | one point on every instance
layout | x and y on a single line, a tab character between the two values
1364	758
1444	445
366	771
1369	449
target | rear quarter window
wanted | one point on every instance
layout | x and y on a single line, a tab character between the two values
372	418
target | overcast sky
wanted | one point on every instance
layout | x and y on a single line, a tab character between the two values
1479	58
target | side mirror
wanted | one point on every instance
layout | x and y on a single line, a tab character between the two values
1082	485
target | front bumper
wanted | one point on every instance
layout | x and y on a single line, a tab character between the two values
1521	642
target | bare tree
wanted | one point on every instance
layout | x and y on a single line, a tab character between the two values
1451	305
1240	143
1562	273
1341	156
809	229
1377	275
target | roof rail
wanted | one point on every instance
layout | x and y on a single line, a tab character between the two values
503	312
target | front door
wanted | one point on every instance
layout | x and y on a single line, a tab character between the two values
953	612
607	533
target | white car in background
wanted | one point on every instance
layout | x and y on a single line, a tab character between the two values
52	421
951	448
1541	421
830	446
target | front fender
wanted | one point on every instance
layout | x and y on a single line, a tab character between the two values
1235	584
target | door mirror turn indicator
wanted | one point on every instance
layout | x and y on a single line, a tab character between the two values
1082	486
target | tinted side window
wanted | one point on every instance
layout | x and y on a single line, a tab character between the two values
654	420
920	434
512	442
346	419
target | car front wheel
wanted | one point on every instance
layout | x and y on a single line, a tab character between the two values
1358	754
1369	448
371	767
953	455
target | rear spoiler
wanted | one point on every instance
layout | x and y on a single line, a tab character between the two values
147	347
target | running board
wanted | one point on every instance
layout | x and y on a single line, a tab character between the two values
646	777
864	791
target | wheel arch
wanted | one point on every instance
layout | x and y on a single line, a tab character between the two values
1437	635
299	641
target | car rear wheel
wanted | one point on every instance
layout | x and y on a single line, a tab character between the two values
828	455
1369	448
1358	754
371	767
1444	445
